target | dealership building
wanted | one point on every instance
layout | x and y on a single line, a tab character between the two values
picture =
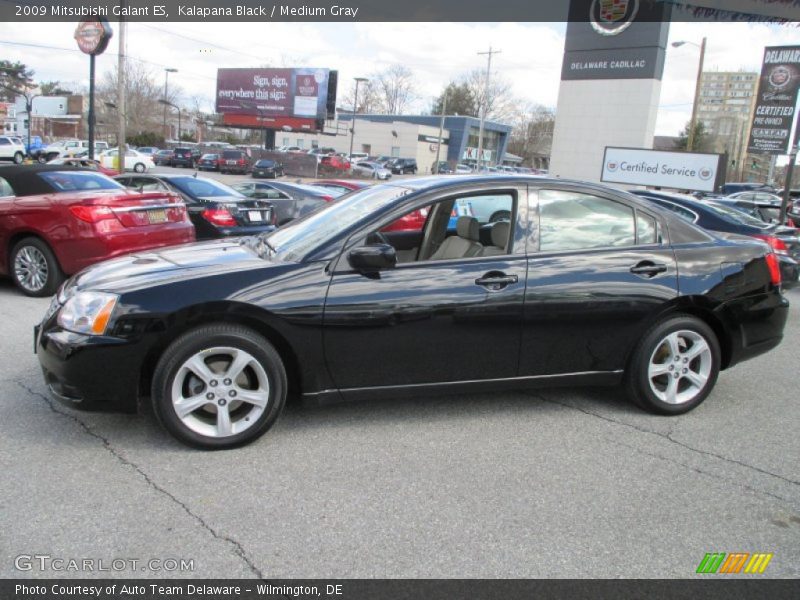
408	136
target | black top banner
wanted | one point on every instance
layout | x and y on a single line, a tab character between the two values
775	104
606	11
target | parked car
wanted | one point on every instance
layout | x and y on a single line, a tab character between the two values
766	211
339	187
266	167
714	216
215	209
402	166
373	170
11	149
234	161
463	169
134	161
163	158
56	219
441	168
84	163
290	200
744	186
184	157
209	162
36	148
334	163
358	156
221	332
150	150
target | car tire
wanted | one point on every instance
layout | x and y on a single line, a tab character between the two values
192	372
139	168
34	268
41	159
500	215
675	366
19	157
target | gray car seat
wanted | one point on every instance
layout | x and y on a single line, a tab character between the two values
465	243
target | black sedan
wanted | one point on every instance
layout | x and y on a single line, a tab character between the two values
715	215
582	285
267	168
209	162
215	209
290	200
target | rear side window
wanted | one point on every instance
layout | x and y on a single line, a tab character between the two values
573	221
646	229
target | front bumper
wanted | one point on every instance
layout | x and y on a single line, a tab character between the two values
89	372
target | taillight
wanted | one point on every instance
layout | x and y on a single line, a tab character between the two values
219	216
777	244
773	264
92	214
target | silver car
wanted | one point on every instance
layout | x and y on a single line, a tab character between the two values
371	169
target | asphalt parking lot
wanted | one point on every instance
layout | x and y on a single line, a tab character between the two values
549	483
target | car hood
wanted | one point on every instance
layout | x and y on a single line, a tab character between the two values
188	261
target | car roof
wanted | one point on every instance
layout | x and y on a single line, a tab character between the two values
24	181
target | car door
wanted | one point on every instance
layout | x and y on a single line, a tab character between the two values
599	270
430	321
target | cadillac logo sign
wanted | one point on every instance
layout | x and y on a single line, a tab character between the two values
92	36
612	17
780	76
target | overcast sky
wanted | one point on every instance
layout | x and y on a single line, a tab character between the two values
436	52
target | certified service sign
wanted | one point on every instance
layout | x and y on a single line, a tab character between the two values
92	36
678	170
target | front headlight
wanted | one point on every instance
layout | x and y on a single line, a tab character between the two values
88	312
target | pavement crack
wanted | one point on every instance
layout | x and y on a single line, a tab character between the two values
237	547
669	437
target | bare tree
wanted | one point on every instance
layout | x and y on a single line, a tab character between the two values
395	89
498	98
367	98
142	95
532	134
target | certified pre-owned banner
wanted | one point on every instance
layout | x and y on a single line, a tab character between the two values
777	95
678	170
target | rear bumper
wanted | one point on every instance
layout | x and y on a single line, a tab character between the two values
760	321
78	253
241	231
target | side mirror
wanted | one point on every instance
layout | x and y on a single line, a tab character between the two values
372	258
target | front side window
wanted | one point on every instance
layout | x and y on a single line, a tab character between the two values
574	221
5	188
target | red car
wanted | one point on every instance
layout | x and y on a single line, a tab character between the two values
414	221
55	220
334	163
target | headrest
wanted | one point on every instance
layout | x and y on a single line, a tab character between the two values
468	228
500	234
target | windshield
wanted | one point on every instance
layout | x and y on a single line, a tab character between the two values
735	215
296	239
203	188
79	181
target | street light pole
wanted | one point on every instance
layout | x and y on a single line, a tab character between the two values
441	129
353	122
167	71
693	121
485	102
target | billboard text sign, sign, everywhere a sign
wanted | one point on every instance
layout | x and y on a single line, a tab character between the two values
678	170
262	93
775	102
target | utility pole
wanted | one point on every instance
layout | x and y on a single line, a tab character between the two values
167	71
121	111
441	129
353	122
693	122
485	101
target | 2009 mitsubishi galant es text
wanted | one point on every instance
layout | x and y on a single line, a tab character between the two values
573	284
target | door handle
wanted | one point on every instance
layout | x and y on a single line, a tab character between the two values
496	281
648	269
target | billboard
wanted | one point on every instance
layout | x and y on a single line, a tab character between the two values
291	93
679	170
775	101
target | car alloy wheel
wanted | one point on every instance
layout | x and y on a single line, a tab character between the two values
675	366
219	386
680	367
18	158
139	168
34	268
